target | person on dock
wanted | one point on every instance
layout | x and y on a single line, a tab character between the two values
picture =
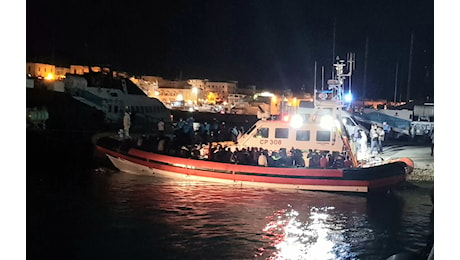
374	138
126	123
381	138
432	142
387	129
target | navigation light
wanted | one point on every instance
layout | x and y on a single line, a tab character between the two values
348	97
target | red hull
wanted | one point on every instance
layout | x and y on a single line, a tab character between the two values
357	179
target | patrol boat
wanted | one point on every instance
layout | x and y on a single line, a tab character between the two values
322	131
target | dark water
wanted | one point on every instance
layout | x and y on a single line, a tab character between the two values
113	215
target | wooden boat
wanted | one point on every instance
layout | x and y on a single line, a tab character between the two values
362	176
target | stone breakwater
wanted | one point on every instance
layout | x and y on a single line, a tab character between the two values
423	170
419	154
419	174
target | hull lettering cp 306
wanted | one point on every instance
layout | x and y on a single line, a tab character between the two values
271	141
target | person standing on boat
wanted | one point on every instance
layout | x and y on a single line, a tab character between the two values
262	160
161	126
126	123
358	140
347	163
363	145
323	162
234	133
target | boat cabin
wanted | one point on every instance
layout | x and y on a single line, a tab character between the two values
273	135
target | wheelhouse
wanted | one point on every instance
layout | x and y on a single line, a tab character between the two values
273	135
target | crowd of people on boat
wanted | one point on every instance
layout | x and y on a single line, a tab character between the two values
212	142
195	140
256	156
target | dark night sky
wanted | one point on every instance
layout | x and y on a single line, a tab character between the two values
270	44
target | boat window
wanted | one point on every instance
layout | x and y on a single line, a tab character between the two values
281	132
262	133
110	109
306	104
302	135
323	136
115	109
113	94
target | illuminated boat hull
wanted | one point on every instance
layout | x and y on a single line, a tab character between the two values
371	179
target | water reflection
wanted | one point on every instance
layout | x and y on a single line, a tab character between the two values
318	237
201	220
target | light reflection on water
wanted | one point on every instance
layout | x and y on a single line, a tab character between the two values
144	216
316	238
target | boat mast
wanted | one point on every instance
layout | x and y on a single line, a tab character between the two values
333	99
396	83
365	68
410	67
333	46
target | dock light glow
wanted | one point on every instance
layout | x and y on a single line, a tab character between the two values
266	94
49	76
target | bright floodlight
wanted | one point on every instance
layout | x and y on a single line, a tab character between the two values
296	121
348	97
